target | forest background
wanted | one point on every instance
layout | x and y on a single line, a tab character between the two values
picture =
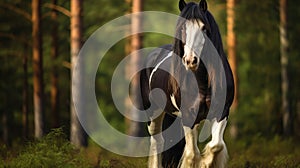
257	134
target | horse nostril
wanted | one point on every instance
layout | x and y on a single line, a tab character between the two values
194	61
187	62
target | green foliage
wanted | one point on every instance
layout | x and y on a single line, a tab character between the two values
2	163
53	150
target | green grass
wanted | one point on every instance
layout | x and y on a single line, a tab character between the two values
54	150
265	153
102	158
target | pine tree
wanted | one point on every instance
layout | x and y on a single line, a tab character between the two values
38	88
286	110
231	48
77	136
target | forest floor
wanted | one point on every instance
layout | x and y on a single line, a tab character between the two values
258	153
54	150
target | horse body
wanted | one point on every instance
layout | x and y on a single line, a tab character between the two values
187	87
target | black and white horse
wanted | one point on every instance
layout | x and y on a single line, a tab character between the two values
188	85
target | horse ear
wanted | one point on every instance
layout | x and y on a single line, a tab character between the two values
203	5
182	4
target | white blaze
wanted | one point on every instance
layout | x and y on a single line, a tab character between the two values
194	41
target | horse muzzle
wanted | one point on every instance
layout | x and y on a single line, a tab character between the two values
190	62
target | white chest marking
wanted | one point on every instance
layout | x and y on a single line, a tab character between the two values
156	67
173	101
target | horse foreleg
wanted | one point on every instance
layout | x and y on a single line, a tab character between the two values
191	154
215	153
156	142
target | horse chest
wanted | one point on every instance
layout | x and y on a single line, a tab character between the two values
159	79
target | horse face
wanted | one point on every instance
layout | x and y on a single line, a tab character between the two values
193	41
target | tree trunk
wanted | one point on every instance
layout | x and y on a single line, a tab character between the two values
25	102
78	136
54	74
231	49
38	88
127	48
135	128
286	110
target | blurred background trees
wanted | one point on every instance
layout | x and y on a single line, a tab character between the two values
257	49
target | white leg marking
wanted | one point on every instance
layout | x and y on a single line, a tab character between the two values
156	142
215	153
191	155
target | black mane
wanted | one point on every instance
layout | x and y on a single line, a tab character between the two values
214	34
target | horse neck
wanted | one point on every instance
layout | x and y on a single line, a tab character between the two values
175	76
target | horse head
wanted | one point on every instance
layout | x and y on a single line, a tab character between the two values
192	28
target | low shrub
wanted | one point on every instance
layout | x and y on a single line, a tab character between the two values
53	150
